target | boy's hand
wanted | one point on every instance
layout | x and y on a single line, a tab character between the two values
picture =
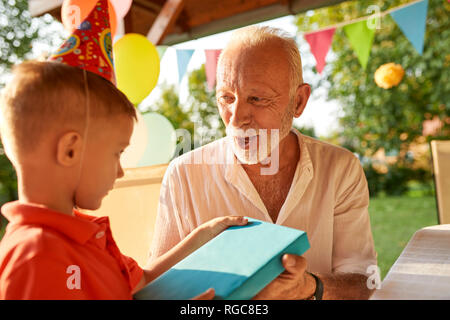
197	238
209	230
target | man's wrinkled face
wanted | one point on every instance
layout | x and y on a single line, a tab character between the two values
253	96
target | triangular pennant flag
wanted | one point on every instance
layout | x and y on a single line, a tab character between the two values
412	21
361	39
212	56
90	46
161	50
320	43
183	58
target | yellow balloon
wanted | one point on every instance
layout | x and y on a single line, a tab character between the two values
136	62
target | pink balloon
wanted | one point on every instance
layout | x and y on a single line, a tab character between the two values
121	7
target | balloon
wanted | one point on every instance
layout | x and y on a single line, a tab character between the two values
121	7
136	63
138	143
161	140
71	21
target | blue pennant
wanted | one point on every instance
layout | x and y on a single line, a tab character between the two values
412	21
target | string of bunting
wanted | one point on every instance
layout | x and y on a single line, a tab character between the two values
410	17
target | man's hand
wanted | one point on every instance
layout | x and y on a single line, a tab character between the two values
293	284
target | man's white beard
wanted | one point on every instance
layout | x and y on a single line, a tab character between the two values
261	144
269	140
256	148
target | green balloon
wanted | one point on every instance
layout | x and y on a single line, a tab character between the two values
161	140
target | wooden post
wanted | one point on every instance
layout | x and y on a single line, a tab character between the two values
128	22
165	20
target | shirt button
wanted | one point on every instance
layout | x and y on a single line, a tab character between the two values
100	234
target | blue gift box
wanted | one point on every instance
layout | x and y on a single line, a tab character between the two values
238	263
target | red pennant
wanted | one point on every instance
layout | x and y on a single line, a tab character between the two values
90	46
320	43
212	57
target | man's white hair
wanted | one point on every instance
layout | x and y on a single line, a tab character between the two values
253	36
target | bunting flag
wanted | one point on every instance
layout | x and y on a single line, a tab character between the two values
161	50
361	39
183	58
412	21
320	43
410	17
212	57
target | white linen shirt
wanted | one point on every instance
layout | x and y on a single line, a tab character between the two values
328	199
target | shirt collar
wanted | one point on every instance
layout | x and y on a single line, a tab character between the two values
79	227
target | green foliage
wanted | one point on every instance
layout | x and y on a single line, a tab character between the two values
16	32
394	221
203	104
377	116
308	131
397	180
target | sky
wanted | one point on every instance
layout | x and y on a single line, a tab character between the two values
319	113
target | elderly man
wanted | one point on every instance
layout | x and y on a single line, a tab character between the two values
266	170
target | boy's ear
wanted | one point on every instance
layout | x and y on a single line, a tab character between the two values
69	149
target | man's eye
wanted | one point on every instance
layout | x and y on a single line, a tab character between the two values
256	99
226	99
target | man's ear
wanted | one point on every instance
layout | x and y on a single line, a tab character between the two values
69	149
302	94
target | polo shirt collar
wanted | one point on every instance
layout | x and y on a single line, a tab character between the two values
79	227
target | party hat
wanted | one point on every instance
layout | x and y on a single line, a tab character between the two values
90	46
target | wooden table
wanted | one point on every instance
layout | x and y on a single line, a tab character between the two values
423	269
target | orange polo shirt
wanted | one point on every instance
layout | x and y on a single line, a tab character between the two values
50	255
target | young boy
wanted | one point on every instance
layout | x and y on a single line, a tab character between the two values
64	125
68	155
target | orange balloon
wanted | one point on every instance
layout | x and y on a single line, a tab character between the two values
70	11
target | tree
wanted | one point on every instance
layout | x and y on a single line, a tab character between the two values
376	118
379	119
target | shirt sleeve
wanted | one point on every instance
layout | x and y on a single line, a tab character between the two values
135	272
353	247
168	230
41	278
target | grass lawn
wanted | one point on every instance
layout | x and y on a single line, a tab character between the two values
394	221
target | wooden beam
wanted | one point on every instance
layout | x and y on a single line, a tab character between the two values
165	20
128	21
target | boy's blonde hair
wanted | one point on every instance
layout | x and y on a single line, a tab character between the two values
45	96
